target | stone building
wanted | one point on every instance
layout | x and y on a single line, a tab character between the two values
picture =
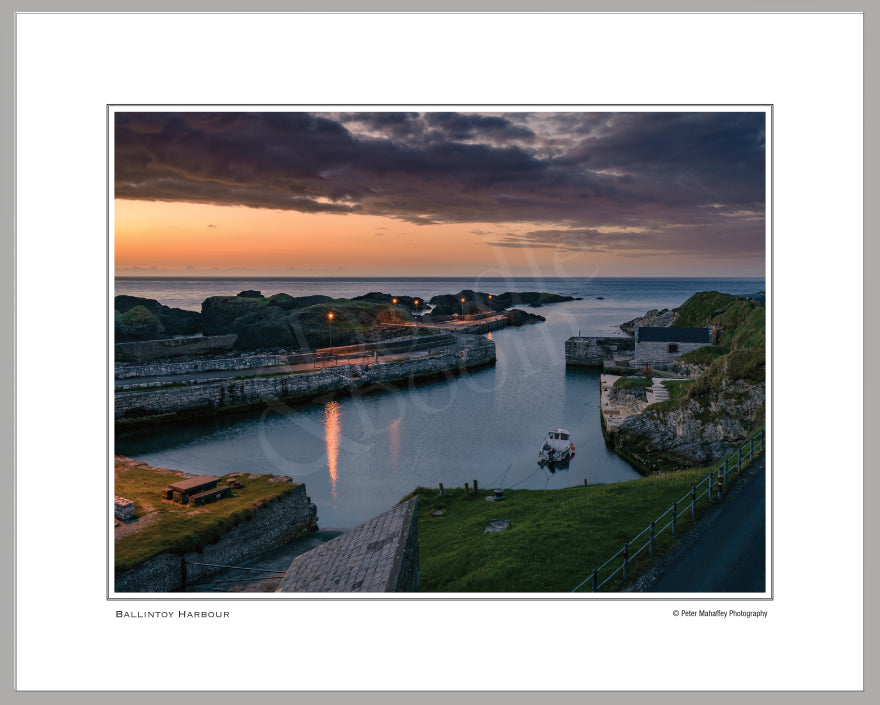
660	346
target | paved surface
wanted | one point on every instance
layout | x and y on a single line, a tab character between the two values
614	414
360	560
729	550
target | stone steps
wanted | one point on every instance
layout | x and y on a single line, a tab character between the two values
657	393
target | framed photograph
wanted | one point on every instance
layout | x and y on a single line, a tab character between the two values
360	330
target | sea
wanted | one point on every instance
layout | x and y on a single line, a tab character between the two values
359	455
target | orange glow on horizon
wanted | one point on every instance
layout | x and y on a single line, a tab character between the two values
157	238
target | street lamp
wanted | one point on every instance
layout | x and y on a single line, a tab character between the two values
462	305
330	330
394	311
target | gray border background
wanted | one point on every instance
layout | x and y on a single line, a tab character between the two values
870	341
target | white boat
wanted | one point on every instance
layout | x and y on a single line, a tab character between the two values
557	447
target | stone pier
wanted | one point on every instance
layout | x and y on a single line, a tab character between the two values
381	555
592	352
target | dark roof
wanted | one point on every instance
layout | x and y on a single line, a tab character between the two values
193	482
650	334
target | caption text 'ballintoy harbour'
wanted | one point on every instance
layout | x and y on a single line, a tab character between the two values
180	614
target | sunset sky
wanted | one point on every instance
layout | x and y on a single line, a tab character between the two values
540	194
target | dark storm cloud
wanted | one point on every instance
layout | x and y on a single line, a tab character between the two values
691	179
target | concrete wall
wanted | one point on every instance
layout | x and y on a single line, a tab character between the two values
282	520
592	351
380	555
217	394
173	347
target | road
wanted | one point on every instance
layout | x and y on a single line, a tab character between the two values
728	553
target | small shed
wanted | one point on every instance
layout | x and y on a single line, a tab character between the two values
182	491
659	345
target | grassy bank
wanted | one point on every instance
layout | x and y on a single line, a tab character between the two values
180	529
556	537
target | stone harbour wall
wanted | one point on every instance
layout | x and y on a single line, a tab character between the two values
217	394
592	351
246	362
181	368
280	521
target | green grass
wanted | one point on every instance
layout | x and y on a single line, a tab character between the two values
677	388
699	310
180	529
703	356
631	383
136	314
556	537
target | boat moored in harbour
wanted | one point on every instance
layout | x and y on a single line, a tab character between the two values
557	447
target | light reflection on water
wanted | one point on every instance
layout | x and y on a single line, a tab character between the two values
333	431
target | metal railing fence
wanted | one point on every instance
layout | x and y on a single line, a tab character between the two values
718	478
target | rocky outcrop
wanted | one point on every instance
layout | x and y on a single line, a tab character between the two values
221	313
695	433
174	321
633	397
413	303
476	302
137	324
653	318
529	298
518	317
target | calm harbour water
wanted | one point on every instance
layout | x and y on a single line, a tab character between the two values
359	455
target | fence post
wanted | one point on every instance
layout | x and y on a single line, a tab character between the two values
674	517
724	475
595	580
694	502
739	460
720	486
625	562
651	545
709	485
752	448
